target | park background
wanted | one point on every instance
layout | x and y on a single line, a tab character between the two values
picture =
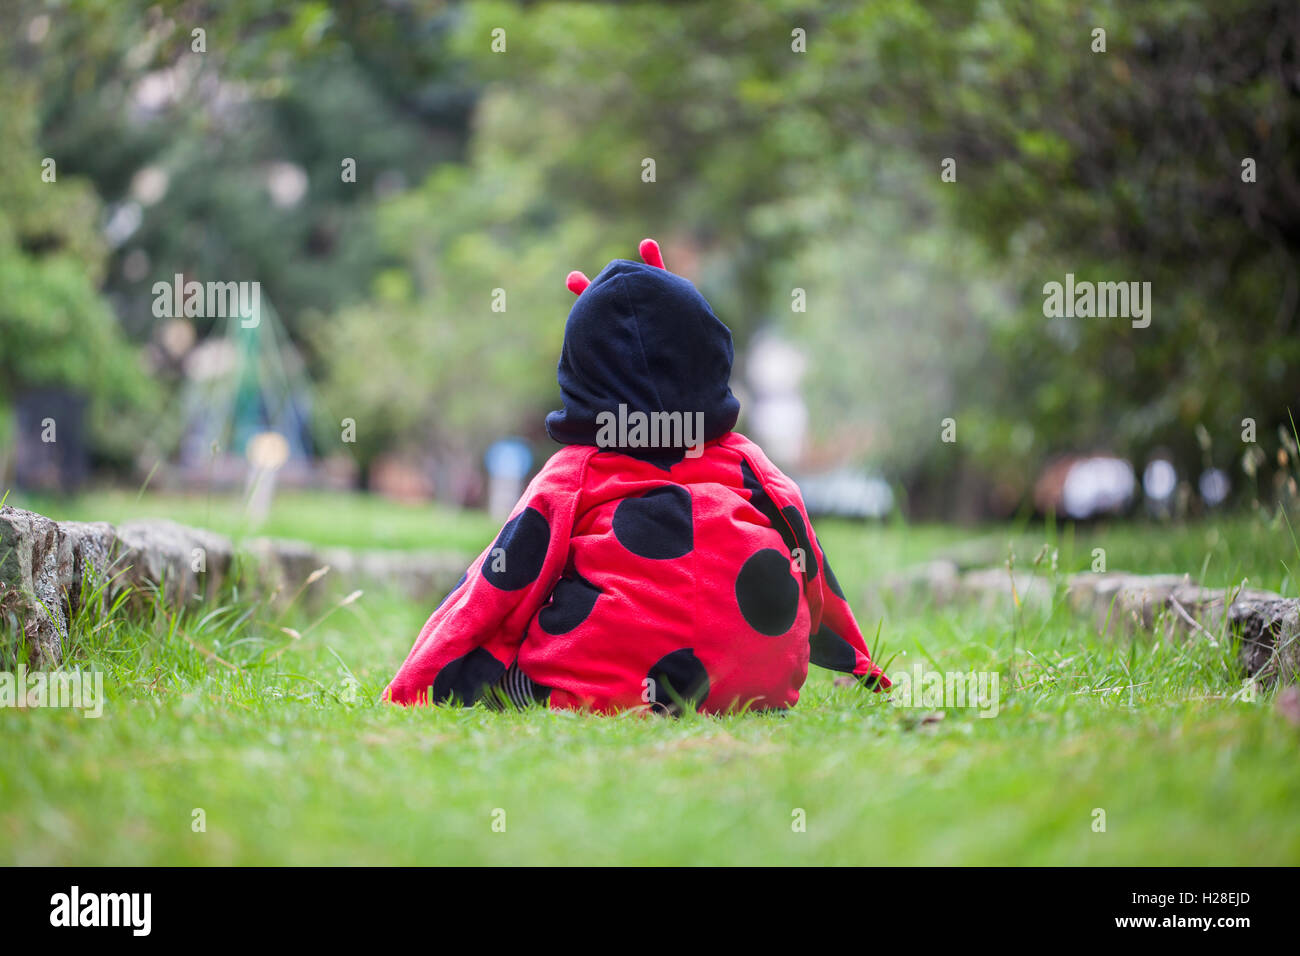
391	173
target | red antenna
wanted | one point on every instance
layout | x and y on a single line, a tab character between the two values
651	255
577	282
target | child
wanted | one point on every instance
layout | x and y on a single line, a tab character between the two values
658	560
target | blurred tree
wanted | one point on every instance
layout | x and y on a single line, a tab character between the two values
794	145
458	344
556	179
242	141
1127	164
1122	165
257	157
56	331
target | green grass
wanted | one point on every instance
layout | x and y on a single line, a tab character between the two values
326	518
291	768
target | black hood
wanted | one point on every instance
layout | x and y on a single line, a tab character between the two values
642	337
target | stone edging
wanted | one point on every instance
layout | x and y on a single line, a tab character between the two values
1267	623
43	564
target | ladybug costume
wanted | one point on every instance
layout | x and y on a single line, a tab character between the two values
643	577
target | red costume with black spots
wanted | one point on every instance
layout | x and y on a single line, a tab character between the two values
631	574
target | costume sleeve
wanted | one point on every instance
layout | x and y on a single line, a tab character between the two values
475	633
835	640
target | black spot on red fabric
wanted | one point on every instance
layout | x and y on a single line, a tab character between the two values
794	525
787	521
680	680
758	495
456	587
767	593
520	549
657	524
467	678
830	578
828	649
571	602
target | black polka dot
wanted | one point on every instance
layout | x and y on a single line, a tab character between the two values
456	587
830	578
767	592
788	521
678	679
657	524
758	495
831	651
517	555
464	680
795	533
571	602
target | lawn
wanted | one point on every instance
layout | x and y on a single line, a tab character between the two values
286	752
325	518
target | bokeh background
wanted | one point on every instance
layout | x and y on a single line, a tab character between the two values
409	182
798	153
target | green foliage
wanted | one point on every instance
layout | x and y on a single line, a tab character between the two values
821	170
1122	165
459	342
279	87
55	328
775	169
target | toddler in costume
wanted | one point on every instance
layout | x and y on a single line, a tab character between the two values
658	560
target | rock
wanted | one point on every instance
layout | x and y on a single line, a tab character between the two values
86	552
183	562
994	587
1270	637
29	587
44	566
283	567
1288	705
1137	601
416	575
934	580
1267	624
1086	590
